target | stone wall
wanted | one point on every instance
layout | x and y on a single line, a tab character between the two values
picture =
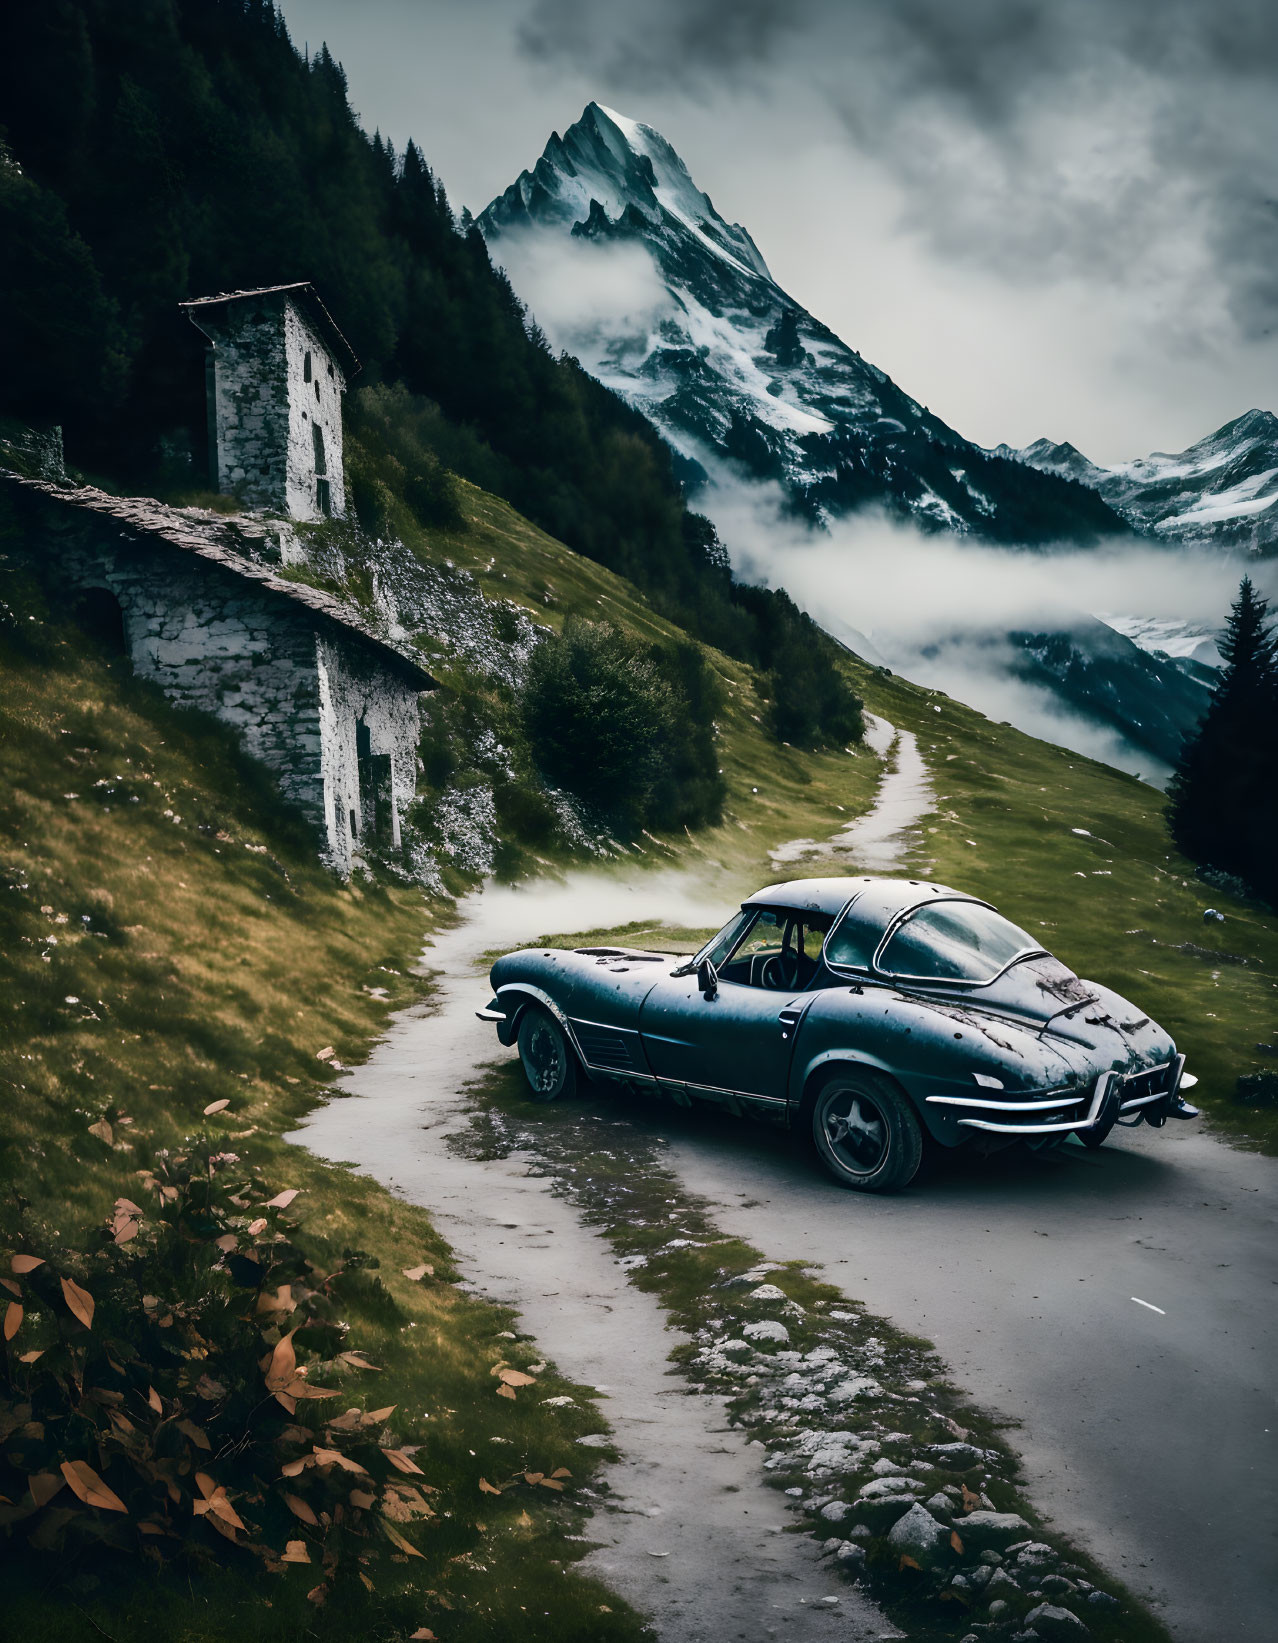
275	407
315	389
250	403
324	710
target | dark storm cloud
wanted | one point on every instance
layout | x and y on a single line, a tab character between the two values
1134	139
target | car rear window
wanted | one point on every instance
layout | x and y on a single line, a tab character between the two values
954	941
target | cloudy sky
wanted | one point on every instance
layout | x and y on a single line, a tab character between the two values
1039	216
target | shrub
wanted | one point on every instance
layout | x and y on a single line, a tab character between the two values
1257	1089
157	1394
628	730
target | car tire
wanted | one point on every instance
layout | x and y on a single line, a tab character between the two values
865	1131
546	1055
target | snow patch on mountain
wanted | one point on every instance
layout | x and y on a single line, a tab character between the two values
1222	490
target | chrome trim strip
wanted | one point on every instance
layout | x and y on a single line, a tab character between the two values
1004	1106
1142	1101
1103	1085
603	1026
491	1015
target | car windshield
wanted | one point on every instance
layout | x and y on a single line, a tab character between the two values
954	941
721	945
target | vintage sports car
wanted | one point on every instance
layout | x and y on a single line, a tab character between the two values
872	1012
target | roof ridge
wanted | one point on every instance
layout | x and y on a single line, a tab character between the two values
173	525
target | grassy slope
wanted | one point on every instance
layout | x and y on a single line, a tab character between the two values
216	961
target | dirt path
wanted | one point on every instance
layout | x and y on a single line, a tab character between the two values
878	841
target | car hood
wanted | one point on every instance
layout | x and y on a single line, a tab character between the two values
1091	1027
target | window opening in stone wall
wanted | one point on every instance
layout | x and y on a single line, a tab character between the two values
306	367
321	456
98	613
324	498
317	392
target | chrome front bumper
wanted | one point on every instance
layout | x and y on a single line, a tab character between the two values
1112	1092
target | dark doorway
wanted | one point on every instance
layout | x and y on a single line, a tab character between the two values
98	614
375	787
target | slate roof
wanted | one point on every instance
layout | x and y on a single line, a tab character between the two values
307	298
228	542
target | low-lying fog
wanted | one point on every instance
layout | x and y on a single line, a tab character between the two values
936	608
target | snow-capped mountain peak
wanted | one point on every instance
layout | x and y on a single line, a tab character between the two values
619	164
1223	489
727	364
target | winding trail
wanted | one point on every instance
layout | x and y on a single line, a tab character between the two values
876	841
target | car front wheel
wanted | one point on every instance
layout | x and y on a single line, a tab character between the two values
546	1056
866	1132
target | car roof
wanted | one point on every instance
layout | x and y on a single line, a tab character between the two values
878	899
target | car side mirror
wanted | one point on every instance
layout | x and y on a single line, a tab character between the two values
707	978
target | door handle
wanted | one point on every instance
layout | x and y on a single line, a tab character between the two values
789	1019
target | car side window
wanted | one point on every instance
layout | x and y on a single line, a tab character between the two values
853	943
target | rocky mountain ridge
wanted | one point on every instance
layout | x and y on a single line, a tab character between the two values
1223	490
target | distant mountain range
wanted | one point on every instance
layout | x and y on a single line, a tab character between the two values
745	384
1222	490
732	369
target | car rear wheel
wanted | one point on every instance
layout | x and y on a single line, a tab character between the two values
866	1132
546	1055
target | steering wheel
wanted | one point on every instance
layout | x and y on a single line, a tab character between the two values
781	971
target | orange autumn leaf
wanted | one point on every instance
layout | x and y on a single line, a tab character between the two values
506	1392
956	1541
256	1227
295	1552
283	1199
516	1377
533	1477
103	1131
423	1634
357	1360
416	1273
153	1398
79	1301
486	1488
970	1500
909	1563
13	1316
359	1498
216	1106
87	1486
282	1368
402	1462
299	1508
394	1536
551	1483
30	1357
25	1263
196	1434
334	1457
8	1283
561	1472
375	1417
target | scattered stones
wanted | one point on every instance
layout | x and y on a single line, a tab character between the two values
767	1329
996	1527
956	1457
767	1292
1036	1554
1051	1621
1102	1600
919	1534
835	1511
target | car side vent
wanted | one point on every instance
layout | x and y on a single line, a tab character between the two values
604	1049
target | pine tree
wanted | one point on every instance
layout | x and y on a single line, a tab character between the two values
1224	794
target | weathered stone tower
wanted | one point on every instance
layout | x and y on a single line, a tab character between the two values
276	371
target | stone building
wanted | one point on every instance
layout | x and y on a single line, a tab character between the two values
199	603
275	372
